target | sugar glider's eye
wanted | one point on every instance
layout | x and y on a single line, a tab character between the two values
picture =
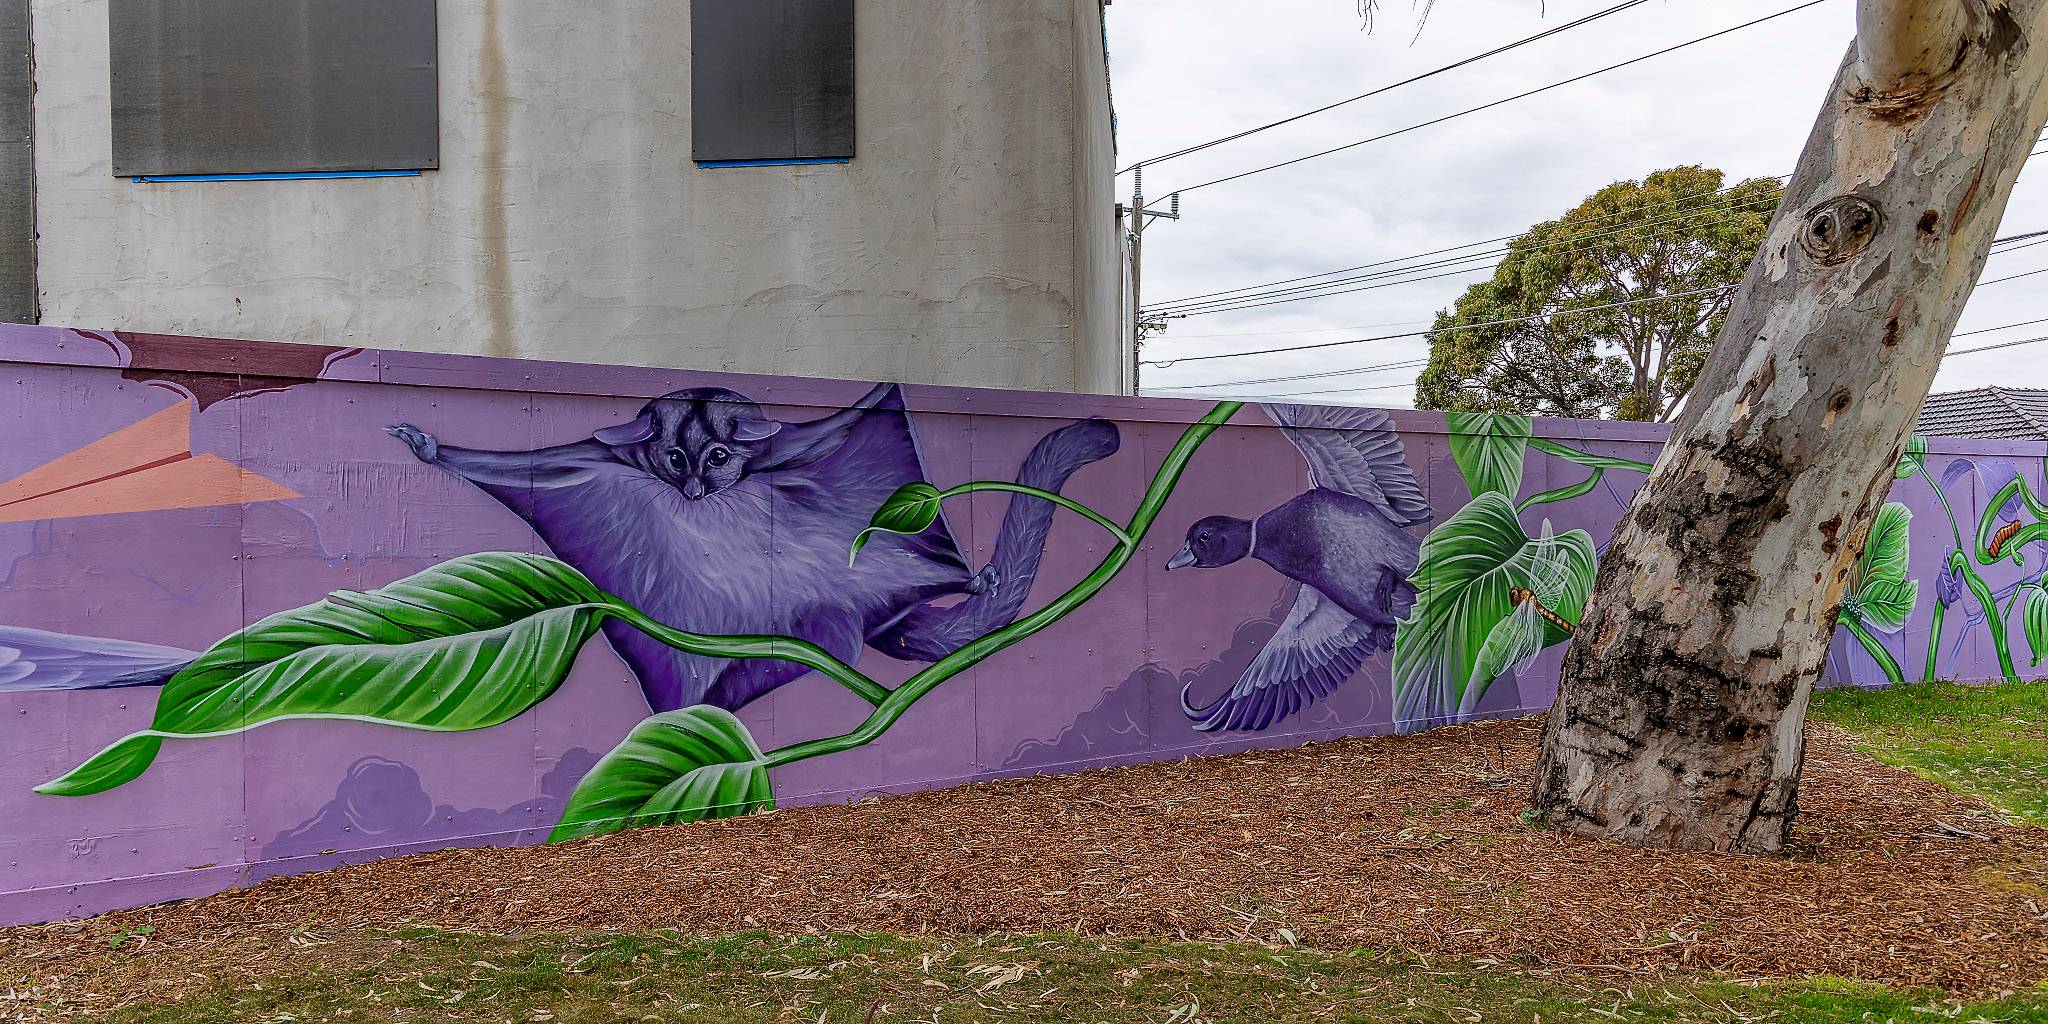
676	460
717	455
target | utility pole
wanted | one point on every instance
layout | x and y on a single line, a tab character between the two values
1141	215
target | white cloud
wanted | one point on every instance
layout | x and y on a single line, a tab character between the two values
1185	71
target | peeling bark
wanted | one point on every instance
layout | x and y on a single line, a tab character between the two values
1679	721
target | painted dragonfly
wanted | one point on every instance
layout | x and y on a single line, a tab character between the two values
1518	639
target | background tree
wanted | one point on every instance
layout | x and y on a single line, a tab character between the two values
1674	232
1681	709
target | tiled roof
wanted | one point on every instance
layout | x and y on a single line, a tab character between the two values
2019	413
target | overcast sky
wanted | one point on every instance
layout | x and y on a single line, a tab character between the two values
1185	71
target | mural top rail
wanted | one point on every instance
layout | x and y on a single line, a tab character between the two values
179	355
136	351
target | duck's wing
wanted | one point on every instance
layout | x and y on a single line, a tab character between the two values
1318	646
1357	452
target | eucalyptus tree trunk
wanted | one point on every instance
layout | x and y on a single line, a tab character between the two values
1679	721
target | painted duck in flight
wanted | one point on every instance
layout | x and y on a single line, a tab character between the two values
1345	541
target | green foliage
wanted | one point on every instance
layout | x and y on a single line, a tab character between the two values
1674	232
676	767
1989	741
1462	633
1880	596
1489	449
469	643
912	509
2035	621
1913	459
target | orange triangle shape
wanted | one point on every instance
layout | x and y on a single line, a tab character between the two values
145	467
158	437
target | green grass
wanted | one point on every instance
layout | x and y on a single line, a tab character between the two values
424	975
1988	741
1991	742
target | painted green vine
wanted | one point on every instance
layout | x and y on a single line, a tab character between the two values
480	639
1995	540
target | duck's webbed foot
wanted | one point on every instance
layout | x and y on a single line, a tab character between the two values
1395	595
1380	636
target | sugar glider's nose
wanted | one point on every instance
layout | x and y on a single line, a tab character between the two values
693	488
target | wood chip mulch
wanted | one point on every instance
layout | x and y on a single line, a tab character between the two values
1398	843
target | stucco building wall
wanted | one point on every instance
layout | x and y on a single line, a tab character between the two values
971	239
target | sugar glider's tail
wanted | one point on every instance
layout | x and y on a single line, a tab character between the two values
931	632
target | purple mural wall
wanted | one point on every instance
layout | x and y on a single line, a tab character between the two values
267	609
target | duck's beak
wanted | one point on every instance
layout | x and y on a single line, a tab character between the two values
1181	559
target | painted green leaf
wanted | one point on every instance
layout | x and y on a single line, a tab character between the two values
2035	621
676	767
1880	595
1914	457
1887	604
1489	448
1461	635
912	509
469	643
1592	459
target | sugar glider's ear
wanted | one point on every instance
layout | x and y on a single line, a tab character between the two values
754	428
634	431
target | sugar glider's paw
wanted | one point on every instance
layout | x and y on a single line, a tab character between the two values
985	581
423	445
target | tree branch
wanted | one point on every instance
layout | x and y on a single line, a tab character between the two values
1902	44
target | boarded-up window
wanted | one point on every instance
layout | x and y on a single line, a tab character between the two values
17	168
771	79
262	86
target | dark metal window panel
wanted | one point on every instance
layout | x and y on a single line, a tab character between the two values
17	167
771	79
249	86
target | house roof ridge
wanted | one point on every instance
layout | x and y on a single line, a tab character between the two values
2019	410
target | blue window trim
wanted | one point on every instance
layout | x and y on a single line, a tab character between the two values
275	176
776	163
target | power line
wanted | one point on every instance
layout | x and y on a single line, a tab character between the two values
1254	292
1412	364
1420	334
1499	102
2012	277
1407	364
1489	241
1495	52
1375	368
1304	292
1304	330
2001	327
1544	316
1172	306
1325	391
1301	292
1179	315
2008	344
